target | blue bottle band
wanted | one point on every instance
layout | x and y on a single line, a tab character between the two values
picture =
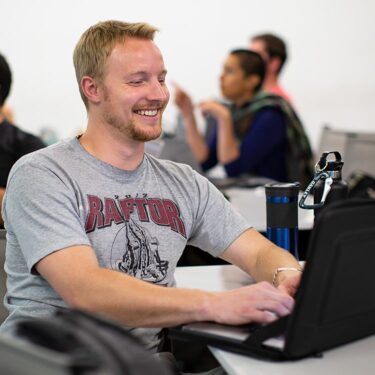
282	215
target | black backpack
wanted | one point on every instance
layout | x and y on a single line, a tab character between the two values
86	344
361	185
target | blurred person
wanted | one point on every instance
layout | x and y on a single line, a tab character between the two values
274	52
256	134
14	142
8	113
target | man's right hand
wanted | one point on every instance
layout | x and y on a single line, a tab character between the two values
261	303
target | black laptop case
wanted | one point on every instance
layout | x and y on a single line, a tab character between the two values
335	303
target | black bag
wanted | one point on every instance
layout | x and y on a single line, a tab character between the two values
90	345
361	185
331	307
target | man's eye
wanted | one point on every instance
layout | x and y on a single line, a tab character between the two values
136	82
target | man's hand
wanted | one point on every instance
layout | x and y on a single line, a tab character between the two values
261	303
288	282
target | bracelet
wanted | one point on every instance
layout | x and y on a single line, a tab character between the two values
283	269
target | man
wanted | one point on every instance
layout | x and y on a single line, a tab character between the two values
14	142
103	224
274	52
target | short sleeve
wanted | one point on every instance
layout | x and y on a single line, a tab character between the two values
41	213
217	223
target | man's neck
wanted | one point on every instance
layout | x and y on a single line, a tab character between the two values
270	82
113	149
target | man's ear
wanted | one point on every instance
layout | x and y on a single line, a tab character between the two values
252	81
90	89
273	64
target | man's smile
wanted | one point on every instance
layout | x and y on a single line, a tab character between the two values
147	112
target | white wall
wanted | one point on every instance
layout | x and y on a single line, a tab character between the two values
330	73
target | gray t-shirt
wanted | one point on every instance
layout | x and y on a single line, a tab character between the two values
137	222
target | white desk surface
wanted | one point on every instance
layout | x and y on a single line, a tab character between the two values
251	204
355	358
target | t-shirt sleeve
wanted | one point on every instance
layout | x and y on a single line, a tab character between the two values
42	213
217	223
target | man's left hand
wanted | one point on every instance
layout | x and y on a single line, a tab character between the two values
288	281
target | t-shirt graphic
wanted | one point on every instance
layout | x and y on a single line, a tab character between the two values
135	252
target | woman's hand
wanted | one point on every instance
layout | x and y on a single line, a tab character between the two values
183	101
215	109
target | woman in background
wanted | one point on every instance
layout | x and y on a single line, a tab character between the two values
256	134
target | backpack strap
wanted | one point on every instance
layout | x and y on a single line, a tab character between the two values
299	158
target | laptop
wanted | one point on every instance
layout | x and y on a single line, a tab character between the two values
335	303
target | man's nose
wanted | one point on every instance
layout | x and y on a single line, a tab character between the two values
159	91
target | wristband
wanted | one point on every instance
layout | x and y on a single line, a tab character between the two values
283	269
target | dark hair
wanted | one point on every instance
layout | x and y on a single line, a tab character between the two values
251	63
5	79
275	47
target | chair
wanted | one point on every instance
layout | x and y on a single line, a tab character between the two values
357	149
3	311
360	154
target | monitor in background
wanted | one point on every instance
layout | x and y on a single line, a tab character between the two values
357	149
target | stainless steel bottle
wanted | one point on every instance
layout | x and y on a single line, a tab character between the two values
282	215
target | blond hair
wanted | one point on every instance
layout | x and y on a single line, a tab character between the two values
97	42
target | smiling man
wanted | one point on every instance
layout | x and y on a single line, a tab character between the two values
96	223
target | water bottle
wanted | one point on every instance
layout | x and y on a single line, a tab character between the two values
339	188
282	215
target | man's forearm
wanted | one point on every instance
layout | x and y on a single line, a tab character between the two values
136	303
271	259
258	256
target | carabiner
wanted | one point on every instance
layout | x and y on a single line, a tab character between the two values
327	187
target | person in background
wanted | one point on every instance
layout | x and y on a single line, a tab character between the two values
274	52
102	224
256	134
8	113
14	142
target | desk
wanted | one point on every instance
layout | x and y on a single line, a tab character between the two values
251	204
354	358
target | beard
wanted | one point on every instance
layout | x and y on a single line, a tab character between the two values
130	129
